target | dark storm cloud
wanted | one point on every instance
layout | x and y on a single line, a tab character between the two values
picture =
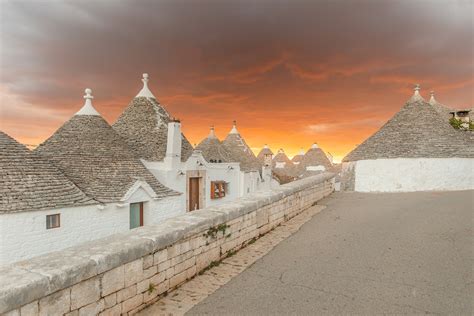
297	61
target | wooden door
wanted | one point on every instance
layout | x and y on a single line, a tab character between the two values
193	194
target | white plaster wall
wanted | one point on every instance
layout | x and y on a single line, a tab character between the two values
172	178
160	210
316	168
414	174
24	235
250	182
239	183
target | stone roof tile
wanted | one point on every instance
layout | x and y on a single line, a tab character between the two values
28	182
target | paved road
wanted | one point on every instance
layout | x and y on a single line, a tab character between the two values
409	253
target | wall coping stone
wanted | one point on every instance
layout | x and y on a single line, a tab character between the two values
32	279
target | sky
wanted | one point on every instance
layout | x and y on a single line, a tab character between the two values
290	72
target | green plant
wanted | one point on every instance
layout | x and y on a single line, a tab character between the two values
213	231
230	253
151	288
455	123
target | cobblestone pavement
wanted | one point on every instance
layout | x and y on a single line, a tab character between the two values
196	290
365	254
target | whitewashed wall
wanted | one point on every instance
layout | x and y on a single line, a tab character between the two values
176	178
240	183
250	182
414	174
24	234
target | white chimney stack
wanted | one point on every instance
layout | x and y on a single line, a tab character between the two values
173	145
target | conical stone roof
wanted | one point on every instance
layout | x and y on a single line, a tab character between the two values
265	151
289	168
416	131
94	157
240	152
440	108
212	149
28	182
281	157
297	158
144	126
315	156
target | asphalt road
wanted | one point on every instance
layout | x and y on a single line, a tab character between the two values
398	253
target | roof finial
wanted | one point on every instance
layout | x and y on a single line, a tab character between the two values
234	128
212	133
266	146
314	146
145	91
432	98
416	95
88	108
281	151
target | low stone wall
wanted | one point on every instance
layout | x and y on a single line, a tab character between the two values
123	273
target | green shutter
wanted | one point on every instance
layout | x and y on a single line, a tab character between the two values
134	215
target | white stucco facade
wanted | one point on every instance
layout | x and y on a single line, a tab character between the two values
316	168
24	234
175	177
412	174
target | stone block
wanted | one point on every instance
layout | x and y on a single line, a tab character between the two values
30	309
177	279
151	271
160	256
73	313
147	261
159	278
15	312
174	251
85	293
143	286
150	295
92	309
165	265
170	273
163	287
114	311
132	303
113	280
126	293
204	259
28	287
190	272
133	272
55	304
110	300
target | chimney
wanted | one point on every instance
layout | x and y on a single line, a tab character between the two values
173	145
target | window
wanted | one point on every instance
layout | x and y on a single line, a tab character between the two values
218	189
53	221
136	215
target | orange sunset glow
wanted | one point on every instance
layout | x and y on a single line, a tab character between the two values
290	73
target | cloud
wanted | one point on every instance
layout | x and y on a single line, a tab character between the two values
289	72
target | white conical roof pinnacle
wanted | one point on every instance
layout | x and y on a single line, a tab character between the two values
212	133
234	128
432	98
88	108
145	91
314	146
266	146
416	95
